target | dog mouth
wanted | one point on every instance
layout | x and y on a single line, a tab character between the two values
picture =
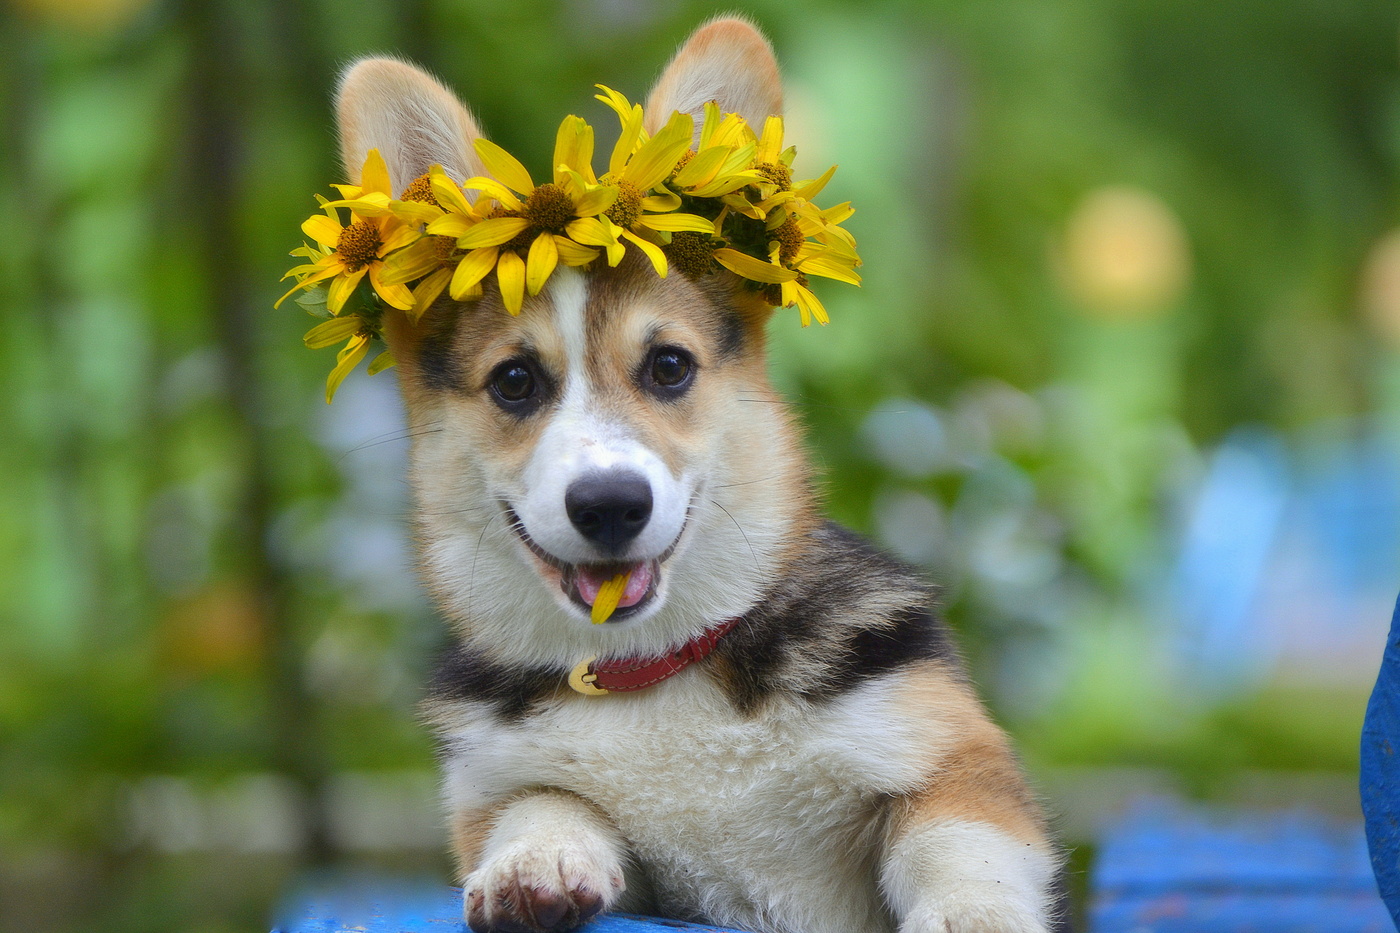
588	585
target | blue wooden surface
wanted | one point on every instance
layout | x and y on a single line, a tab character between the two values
379	905
1170	869
1165	868
1380	772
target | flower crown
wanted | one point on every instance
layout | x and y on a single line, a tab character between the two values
729	203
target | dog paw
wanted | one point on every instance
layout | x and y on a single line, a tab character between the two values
972	914
539	889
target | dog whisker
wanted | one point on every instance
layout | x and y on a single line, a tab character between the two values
766	479
475	508
393	437
471	578
752	552
800	404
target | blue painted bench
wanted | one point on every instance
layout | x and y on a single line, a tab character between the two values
1165	868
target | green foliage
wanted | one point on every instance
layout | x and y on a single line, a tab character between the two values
174	530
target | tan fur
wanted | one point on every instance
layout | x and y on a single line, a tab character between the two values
470	829
891	803
411	119
725	60
976	777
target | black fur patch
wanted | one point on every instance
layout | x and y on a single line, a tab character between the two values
439	368
806	623
731	335
461	675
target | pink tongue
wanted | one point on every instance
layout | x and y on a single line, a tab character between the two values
589	581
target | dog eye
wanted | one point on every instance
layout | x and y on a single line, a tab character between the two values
513	382
671	369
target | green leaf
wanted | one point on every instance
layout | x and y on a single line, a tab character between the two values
314	301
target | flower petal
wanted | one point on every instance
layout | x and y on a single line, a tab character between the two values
334	269
750	268
453	225
573	148
503	166
371	205
322	229
492	232
544	256
590	231
621	105
702	168
395	236
493	189
336	330
627	141
666	200
740	158
381	362
427	291
596	201
471	270
574	254
415	212
825	266
448	192
341	288
676	222
808	303
710	124
653	252
397	296
510	275
810	189
374	175
838	214
771	142
412	263
346	360
656	157
724	183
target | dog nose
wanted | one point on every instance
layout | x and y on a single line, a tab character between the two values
609	509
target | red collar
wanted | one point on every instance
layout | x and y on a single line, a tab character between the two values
596	678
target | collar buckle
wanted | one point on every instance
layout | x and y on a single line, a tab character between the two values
584	680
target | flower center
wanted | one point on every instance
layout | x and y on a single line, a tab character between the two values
420	189
692	253
627	209
358	244
522	240
549	207
790	239
446	251
777	173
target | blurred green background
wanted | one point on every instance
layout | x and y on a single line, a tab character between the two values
1124	375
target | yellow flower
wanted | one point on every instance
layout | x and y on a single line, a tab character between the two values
639	165
744	213
534	228
432	260
359	333
350	253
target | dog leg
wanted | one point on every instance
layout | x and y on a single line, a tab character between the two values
545	863
969	853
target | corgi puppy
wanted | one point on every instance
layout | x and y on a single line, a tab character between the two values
772	731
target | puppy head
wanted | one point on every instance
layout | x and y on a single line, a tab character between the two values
621	426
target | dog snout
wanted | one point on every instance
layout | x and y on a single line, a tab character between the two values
609	509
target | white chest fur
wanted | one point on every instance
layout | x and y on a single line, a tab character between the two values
737	818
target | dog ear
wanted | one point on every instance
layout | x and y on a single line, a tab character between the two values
413	121
728	61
